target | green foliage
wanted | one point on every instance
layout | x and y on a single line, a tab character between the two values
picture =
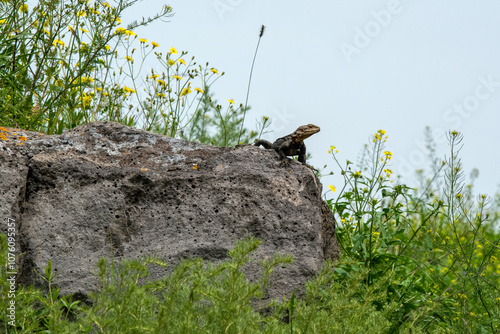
56	62
67	63
210	125
434	252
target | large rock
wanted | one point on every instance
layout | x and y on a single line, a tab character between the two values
104	187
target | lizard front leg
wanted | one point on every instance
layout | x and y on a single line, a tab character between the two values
302	153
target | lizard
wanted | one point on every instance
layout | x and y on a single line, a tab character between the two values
292	144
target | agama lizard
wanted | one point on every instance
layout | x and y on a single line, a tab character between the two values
293	144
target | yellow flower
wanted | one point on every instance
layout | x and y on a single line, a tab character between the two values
58	41
177	77
173	50
81	13
86	99
155	45
332	148
185	91
118	20
199	90
128	90
120	30
388	155
161	82
84	30
388	172
170	62
130	33
231	101
357	174
382	132
142	40
3	21
154	76
161	95
23	8
332	188
129	58
181	61
105	4
214	70
107	47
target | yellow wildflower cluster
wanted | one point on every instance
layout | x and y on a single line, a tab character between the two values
86	100
120	31
332	149
128	90
388	172
186	91
58	42
379	135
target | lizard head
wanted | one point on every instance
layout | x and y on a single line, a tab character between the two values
305	131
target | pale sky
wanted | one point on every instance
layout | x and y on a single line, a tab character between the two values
352	68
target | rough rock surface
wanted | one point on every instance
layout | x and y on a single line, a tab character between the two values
73	194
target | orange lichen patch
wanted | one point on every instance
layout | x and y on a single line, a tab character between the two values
144	169
4	129
19	143
22	138
41	134
3	136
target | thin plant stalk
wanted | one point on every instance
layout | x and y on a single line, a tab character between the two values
262	28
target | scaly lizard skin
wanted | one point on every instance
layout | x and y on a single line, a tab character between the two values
293	144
